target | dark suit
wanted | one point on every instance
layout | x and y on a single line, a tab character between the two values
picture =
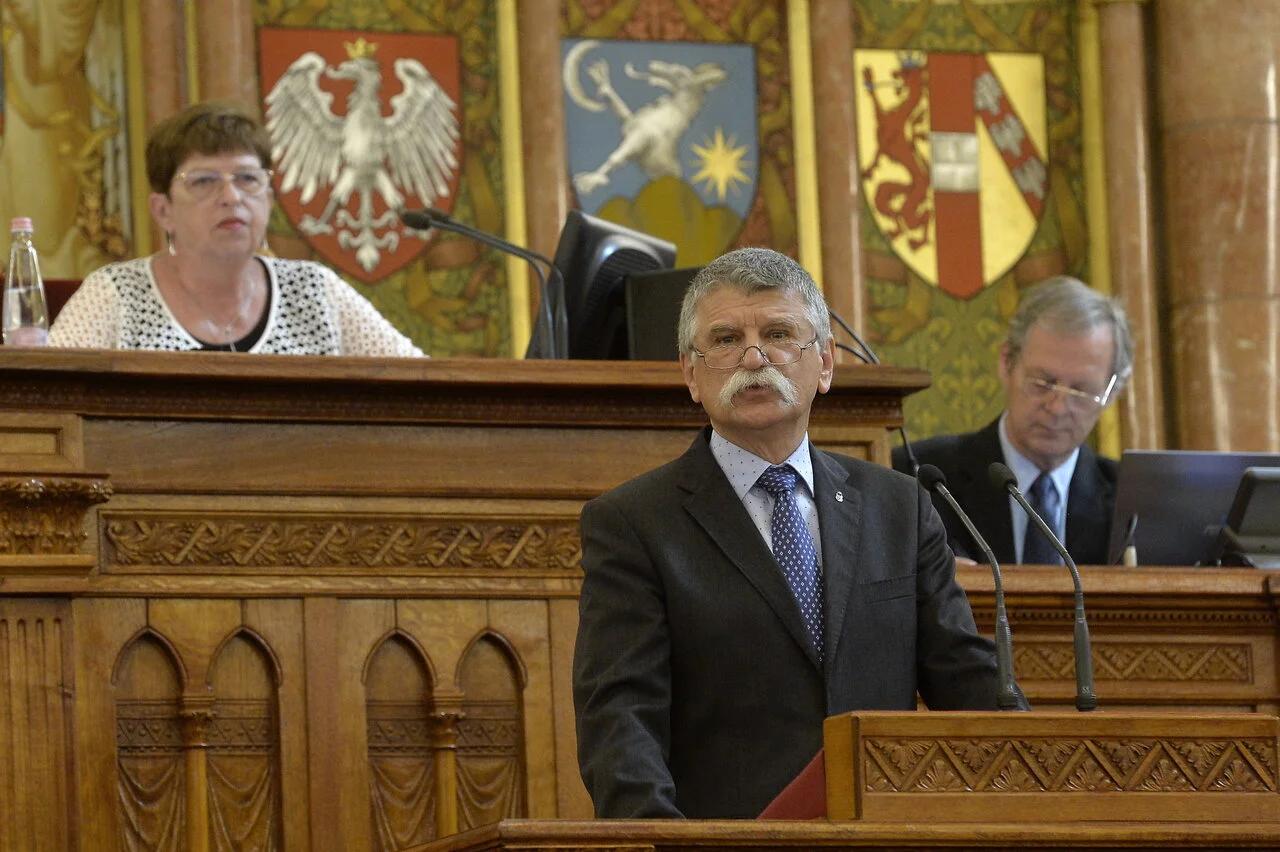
697	690
964	460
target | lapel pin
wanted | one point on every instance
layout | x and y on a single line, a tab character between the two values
839	496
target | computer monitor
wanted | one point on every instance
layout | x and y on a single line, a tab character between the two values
1181	499
653	301
1251	534
595	256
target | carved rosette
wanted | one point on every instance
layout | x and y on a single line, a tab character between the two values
45	514
375	543
1070	765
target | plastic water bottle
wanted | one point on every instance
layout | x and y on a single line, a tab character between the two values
26	320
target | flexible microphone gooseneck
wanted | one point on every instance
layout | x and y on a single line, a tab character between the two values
857	353
868	356
1004	479
935	481
553	322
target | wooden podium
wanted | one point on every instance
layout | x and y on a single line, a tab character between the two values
986	781
1075	767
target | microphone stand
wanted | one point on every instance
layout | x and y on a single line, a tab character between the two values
1004	479
868	356
1007	696
552	320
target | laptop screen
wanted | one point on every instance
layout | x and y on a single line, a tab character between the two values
1181	499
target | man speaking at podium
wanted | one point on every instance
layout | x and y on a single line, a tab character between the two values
1067	355
739	595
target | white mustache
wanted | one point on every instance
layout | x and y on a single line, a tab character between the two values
767	376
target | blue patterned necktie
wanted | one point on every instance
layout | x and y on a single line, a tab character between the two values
793	548
1036	549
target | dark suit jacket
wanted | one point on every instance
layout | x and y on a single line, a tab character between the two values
964	460
697	690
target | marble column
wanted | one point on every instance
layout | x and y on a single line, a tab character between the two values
226	52
1218	112
1127	144
164	73
839	193
542	113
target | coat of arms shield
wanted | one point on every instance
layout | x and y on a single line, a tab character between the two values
953	151
353	145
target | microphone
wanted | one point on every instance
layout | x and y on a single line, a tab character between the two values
552	332
935	481
1129	548
1004	479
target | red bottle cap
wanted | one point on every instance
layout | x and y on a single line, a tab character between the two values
19	223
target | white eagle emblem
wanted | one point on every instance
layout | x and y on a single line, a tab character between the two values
361	152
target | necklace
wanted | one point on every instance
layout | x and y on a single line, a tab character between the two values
222	330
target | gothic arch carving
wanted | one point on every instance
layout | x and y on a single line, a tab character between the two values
398	681
491	752
243	745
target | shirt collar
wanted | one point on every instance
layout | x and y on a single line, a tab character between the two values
743	467
1028	471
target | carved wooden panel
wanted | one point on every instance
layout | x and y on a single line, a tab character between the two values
1015	765
243	750
1225	662
491	775
149	748
35	690
401	771
41	441
44	514
139	541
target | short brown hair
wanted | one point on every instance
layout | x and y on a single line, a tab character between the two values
211	127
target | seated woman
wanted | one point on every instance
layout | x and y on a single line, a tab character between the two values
212	290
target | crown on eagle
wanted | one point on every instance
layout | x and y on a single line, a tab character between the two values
360	48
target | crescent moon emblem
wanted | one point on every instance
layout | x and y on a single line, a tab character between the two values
572	83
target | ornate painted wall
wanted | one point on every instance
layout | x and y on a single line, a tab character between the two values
63	160
450	294
1065	178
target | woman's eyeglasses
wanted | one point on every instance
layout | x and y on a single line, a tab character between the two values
205	183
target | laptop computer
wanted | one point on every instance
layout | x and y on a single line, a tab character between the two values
1180	499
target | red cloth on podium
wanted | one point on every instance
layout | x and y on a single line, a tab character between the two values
805	797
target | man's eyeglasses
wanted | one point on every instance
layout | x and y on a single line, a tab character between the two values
776	353
1081	402
205	183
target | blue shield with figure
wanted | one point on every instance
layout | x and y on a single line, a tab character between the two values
662	137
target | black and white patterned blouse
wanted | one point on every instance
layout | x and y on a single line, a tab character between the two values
311	312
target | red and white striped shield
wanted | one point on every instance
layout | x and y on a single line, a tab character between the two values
953	149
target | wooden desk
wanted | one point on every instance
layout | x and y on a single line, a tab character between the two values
749	836
337	593
340	594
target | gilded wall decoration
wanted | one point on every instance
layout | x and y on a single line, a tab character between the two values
969	195
438	64
679	120
63	157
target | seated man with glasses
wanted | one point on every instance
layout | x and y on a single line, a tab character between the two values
1067	355
214	288
737	596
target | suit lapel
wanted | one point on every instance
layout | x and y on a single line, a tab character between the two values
712	503
840	525
1088	512
974	491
